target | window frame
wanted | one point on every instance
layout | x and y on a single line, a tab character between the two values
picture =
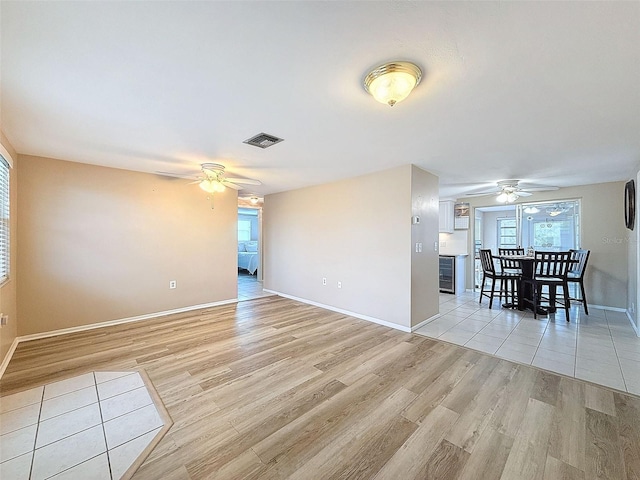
499	235
248	222
5	218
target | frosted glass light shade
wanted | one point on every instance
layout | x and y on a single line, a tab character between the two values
393	82
211	185
207	185
507	197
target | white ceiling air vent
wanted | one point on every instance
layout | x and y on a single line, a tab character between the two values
263	140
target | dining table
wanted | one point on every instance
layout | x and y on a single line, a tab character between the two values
525	289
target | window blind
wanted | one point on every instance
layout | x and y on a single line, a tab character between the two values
4	219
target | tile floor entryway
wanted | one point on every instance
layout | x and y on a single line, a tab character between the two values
249	287
601	347
94	426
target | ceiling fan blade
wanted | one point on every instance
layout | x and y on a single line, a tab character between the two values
176	175
522	193
481	194
231	185
246	181
541	189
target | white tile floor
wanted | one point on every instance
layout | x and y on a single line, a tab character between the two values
92	426
249	287
601	347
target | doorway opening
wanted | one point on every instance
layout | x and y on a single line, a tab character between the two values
250	252
495	227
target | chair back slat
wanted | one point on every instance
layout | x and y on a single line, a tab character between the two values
486	258
578	268
552	264
507	263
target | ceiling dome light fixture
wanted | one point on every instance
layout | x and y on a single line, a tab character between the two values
392	82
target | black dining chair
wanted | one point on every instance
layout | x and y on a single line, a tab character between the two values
489	272
576	273
509	265
513	266
550	269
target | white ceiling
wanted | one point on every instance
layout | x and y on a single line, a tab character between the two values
543	92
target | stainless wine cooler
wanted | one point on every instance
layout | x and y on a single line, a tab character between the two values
447	274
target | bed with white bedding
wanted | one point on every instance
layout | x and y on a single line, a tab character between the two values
248	256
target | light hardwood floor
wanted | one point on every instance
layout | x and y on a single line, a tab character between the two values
271	388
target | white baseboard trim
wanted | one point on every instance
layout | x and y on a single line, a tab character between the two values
109	323
424	322
345	312
604	307
120	321
7	357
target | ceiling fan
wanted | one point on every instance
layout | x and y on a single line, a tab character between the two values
215	180
508	191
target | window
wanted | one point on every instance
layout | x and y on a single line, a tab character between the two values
548	234
507	234
4	219
244	230
551	226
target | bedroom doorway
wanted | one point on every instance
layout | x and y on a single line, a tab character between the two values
249	251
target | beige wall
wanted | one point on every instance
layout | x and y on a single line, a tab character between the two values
356	231
100	244
603	232
8	302
633	252
424	266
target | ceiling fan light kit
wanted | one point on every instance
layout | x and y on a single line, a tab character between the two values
392	82
215	181
507	197
211	185
212	182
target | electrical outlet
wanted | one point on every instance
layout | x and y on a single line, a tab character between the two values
173	284
4	319
435	246
324	280
339	284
